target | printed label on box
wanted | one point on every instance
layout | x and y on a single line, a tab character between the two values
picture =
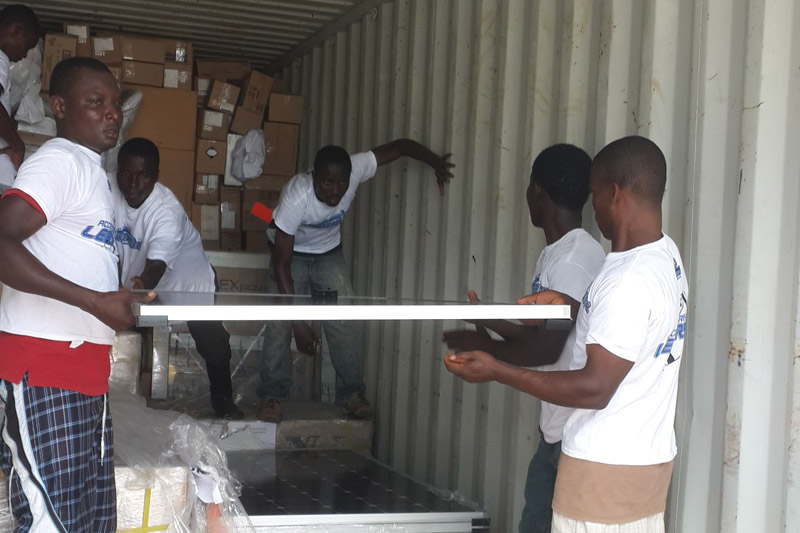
212	152
210	181
79	30
171	78
212	120
103	45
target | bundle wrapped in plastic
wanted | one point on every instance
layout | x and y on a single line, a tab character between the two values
164	474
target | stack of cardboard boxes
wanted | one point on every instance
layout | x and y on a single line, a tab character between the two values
196	121
230	109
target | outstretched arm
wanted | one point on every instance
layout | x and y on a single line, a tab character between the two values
153	272
23	271
441	165
591	387
16	148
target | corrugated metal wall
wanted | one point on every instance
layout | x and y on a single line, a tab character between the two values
715	83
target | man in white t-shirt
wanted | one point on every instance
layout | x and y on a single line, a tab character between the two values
160	249
305	239
619	443
558	190
19	32
60	307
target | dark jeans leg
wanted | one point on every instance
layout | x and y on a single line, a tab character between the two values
214	346
539	487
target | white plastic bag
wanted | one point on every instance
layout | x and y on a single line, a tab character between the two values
248	156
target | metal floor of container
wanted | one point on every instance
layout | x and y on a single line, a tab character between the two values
341	491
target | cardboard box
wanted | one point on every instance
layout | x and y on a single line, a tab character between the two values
201	86
213	125
227	178
210	157
177	76
83	33
57	46
206	189
142	49
256	241
206	219
106	48
255	92
176	172
233	70
280	86
116	71
140	73
267	182
178	51
166	117
143	506
285	108
230	209
250	280
223	96
245	120
249	198
281	145
230	240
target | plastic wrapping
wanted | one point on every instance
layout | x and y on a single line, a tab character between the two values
248	156
25	84
130	105
161	459
126	361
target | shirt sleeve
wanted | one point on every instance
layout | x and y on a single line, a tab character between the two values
571	279
364	166
49	179
619	316
288	215
164	237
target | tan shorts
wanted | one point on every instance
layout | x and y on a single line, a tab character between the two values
650	524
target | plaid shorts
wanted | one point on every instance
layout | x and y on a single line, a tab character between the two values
58	456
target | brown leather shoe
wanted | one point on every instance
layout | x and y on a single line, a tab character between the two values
270	411
358	407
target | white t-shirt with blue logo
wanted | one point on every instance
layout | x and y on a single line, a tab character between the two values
568	266
635	309
315	225
68	184
160	230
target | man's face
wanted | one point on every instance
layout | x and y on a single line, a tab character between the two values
136	177
19	42
330	184
89	113
601	190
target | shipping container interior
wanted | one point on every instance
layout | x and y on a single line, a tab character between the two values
716	84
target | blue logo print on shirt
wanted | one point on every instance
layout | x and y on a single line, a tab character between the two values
677	334
585	300
335	220
536	286
126	238
103	234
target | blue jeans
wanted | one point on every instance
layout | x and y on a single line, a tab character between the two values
320	272
539	487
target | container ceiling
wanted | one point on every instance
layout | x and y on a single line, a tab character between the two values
269	33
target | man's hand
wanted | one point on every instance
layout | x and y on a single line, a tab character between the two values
138	284
549	298
15	155
472	367
442	170
114	308
461	340
305	339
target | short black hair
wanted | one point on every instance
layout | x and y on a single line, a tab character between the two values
333	155
141	147
65	73
22	15
563	171
636	164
